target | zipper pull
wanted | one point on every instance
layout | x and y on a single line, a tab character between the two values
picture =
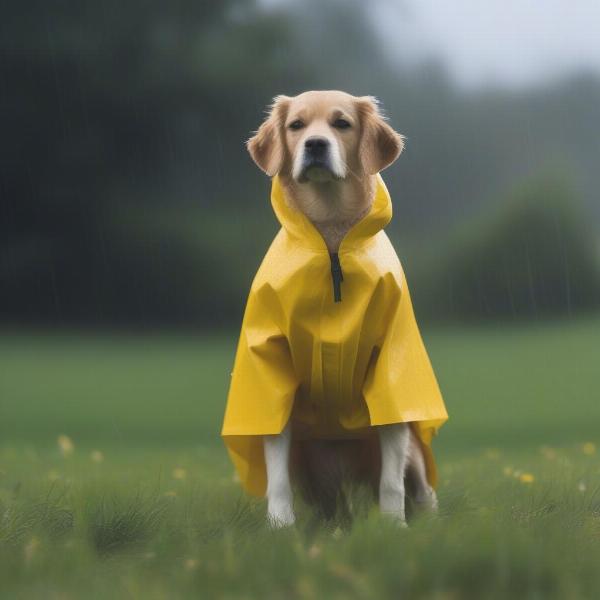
337	276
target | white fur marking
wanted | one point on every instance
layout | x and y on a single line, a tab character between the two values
425	497
337	164
394	441
279	489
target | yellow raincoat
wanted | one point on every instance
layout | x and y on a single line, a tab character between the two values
330	340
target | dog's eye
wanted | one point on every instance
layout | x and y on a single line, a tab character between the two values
297	124
341	124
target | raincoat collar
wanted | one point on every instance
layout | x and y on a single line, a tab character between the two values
299	226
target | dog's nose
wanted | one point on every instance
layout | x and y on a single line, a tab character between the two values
316	146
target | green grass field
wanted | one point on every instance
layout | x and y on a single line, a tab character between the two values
139	500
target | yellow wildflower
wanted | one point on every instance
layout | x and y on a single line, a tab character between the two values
97	456
191	564
589	448
179	473
65	445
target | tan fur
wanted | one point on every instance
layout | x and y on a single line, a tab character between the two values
367	147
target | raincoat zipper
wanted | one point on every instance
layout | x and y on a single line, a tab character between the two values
337	276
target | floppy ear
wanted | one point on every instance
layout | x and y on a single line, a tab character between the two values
379	145
266	147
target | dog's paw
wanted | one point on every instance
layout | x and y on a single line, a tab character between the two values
427	502
281	517
396	518
280	521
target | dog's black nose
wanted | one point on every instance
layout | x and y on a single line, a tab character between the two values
316	146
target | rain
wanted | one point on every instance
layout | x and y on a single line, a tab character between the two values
133	222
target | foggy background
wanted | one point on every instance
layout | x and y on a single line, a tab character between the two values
127	197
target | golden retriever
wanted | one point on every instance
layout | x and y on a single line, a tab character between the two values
327	147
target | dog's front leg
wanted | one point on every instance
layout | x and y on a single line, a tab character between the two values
394	454
279	489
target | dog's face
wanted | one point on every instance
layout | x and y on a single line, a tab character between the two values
323	136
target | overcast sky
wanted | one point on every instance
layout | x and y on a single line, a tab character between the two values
507	42
512	42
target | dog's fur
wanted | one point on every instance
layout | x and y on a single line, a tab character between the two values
327	147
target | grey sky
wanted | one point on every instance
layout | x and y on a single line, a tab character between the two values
507	42
510	42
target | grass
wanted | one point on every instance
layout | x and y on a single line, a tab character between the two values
138	500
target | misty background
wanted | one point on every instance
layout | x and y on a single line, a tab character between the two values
127	197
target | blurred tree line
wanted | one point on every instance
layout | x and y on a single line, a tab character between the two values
127	196
533	255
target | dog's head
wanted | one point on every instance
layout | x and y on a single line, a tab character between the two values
322	136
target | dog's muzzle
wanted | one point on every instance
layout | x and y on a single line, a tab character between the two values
316	161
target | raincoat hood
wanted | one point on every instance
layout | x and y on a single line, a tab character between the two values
329	341
299	227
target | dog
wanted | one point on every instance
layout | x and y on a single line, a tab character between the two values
326	149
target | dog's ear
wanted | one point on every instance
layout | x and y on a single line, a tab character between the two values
266	147
379	144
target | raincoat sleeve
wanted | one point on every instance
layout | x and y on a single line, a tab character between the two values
400	385
262	390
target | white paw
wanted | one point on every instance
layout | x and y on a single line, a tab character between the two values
280	516
397	518
427	502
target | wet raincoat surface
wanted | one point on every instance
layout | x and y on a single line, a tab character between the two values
329	339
